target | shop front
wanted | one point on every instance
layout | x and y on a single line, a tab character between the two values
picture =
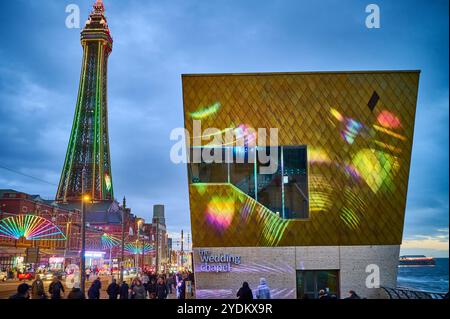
293	272
56	263
95	259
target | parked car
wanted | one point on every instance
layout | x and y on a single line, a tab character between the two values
47	276
27	275
50	274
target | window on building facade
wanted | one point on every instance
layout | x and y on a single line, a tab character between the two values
311	282
275	177
295	182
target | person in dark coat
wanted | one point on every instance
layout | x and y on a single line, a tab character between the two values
245	293
138	291
123	292
22	292
152	289
169	283
94	291
161	289
352	295
37	289
323	294
76	292
55	288
113	290
182	288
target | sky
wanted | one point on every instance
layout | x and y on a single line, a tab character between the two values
157	41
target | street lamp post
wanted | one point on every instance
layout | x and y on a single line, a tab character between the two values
157	246
182	250
85	198
139	235
143	249
69	221
136	256
122	253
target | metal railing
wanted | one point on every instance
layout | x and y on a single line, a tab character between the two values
407	293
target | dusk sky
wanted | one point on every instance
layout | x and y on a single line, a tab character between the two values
157	41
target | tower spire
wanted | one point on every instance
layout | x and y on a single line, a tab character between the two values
99	7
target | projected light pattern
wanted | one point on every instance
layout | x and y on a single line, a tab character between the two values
351	130
389	132
231	209
318	155
349	218
352	127
136	248
388	119
377	168
277	293
235	135
30	227
246	134
220	212
320	194
352	171
274	226
388	147
264	268
109	241
205	112
354	201
247	209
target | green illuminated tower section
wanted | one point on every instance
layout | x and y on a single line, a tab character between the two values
87	167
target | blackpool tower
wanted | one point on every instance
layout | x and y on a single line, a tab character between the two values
87	167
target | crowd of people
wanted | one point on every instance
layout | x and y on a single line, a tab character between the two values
263	292
143	286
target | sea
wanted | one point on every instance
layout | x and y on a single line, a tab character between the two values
425	278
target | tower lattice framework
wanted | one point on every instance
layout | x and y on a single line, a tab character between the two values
87	166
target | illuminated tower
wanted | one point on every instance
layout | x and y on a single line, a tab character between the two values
87	166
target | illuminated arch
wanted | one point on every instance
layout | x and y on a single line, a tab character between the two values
109	241
31	227
136	248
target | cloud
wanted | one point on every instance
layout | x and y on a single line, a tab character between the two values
438	242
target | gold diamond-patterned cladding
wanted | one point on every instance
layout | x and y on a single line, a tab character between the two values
299	104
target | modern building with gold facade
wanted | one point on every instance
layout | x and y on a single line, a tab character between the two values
322	205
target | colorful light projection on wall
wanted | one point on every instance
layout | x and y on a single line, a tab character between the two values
273	226
377	168
220	212
349	218
351	127
388	120
352	171
241	134
246	134
319	194
108	182
137	248
252	212
354	207
318	155
109	241
389	132
237	209
206	111
30	227
388	147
